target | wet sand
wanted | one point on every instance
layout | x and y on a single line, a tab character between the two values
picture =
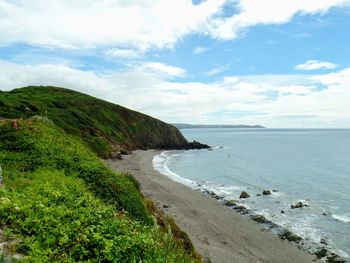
218	233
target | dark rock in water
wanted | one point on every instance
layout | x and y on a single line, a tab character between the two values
166	206
244	212
230	203
324	213
117	156
274	190
321	253
244	195
193	146
299	205
239	208
323	241
266	192
208	192
258	194
333	258
212	194
259	219
125	152
282	212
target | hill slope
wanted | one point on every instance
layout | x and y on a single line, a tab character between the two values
61	203
103	126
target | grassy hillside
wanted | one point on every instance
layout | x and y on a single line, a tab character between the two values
103	126
60	203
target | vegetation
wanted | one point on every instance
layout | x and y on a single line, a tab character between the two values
60	203
287	235
259	219
103	126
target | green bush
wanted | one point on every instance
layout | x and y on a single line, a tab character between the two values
57	219
63	204
41	144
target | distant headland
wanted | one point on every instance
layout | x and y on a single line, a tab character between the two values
205	126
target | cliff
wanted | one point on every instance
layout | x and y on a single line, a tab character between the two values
103	126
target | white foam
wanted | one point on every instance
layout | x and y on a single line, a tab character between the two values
217	147
341	253
223	190
342	218
160	164
277	194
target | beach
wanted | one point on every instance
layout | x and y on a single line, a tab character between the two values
218	233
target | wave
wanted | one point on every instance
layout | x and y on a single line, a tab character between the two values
342	218
160	164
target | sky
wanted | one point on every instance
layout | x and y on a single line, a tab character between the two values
277	63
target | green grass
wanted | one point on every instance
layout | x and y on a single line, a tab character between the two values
63	204
40	144
103	126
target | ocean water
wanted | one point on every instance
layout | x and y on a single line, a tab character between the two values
310	165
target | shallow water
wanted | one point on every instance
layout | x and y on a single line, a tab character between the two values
308	165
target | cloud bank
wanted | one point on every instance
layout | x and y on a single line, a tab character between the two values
141	24
265	99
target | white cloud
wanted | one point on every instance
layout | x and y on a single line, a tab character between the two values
123	53
264	100
335	78
200	50
252	12
315	64
141	24
159	68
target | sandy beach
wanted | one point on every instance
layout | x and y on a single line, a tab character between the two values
218	233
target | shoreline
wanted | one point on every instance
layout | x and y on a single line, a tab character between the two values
217	233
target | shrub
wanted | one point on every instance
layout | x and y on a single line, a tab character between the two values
64	205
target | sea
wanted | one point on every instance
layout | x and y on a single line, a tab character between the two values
307	165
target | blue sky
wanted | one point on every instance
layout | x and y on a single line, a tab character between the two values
276	63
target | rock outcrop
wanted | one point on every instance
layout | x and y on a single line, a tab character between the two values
299	205
230	203
244	195
266	192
